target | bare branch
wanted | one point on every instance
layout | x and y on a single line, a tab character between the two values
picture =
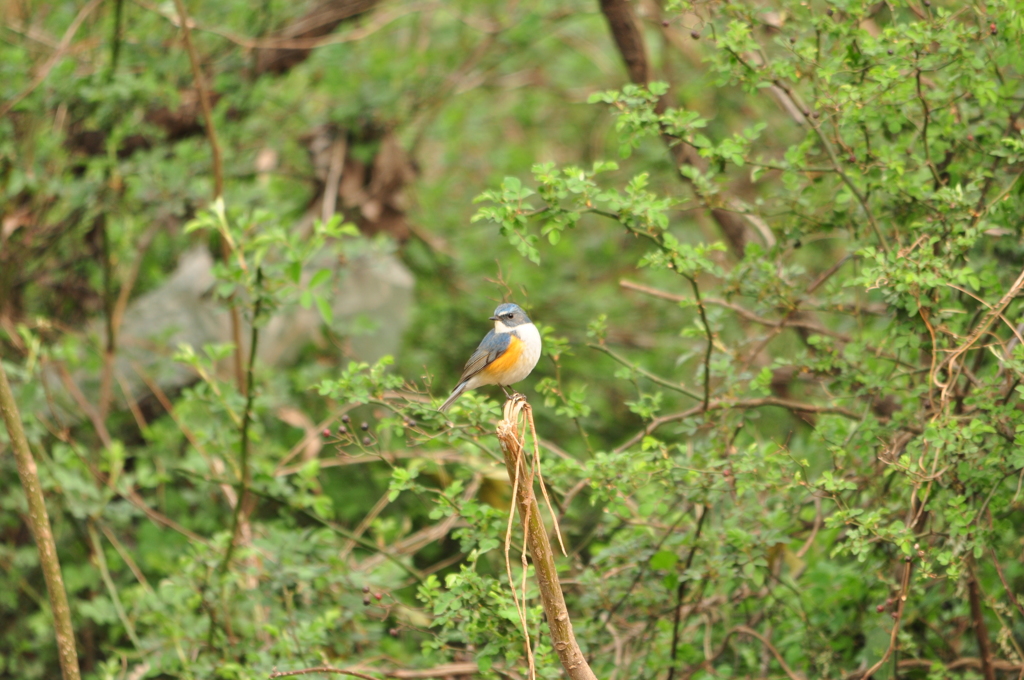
1006	586
39	523
980	629
65	43
218	176
321	669
717	405
902	600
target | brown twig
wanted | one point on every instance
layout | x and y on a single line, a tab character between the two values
444	670
65	42
902	599
415	541
306	26
681	590
39	523
711	341
718	405
993	313
980	629
114	309
218	176
555	610
739	309
746	630
653	377
240	515
126	556
109	350
963	662
1006	586
87	407
108	581
643	567
133	497
771	648
204	100
321	669
861	198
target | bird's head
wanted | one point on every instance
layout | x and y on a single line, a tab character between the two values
507	316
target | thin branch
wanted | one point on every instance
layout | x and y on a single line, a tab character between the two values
980	629
962	662
1006	586
924	131
332	185
982	328
204	100
444	670
243	445
739	309
816	126
722	404
107	375
321	669
126	556
114	310
39	523
771	648
87	407
363	541
642	371
643	567
133	497
681	590
65	43
902	599
101	562
116	37
711	341
849	183
380	20
218	174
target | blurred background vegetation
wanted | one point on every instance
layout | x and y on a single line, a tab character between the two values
774	247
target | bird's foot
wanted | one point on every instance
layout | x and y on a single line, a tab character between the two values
513	394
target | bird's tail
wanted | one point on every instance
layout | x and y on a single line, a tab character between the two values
456	393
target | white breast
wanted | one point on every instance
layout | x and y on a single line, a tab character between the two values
530	336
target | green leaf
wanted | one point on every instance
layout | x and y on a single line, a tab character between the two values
663	559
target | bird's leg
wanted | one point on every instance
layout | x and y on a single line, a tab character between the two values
505	390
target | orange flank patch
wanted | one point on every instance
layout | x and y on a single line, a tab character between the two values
503	365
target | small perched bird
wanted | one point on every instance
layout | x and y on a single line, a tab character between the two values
505	356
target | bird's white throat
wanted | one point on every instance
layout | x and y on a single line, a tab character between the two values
527	332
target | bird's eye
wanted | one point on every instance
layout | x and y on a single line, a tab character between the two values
509	315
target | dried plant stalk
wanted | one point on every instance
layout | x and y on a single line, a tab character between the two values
562	637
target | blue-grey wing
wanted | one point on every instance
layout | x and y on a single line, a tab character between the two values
490	348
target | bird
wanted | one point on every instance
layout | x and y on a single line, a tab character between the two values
506	355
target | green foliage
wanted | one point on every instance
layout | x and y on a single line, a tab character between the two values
761	432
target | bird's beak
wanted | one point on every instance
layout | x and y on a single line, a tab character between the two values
493	318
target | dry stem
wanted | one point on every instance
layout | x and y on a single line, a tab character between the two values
562	637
